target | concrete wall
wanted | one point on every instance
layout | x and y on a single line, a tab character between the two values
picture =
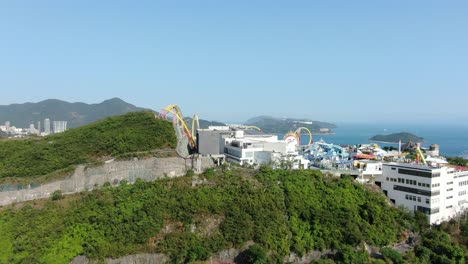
84	179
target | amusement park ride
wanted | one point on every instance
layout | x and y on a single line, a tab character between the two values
185	136
296	135
187	139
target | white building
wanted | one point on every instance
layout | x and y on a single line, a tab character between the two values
47	126
60	126
441	193
369	170
255	148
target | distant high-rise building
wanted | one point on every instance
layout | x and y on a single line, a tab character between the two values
47	126
7	125
39	128
60	126
32	129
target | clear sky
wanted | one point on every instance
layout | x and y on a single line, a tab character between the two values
360	61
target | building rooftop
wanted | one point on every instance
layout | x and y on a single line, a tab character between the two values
413	166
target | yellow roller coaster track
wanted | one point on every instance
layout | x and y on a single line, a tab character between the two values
298	133
253	127
195	121
179	118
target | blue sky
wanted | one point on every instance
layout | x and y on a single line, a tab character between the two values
356	61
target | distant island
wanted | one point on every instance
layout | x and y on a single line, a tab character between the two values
275	125
396	137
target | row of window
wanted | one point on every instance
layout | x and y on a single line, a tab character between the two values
461	193
414	198
427	210
408	181
425	174
415	190
463	183
435	185
422	184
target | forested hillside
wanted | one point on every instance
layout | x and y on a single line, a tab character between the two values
136	131
281	211
76	114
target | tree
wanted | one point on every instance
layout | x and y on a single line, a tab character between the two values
257	255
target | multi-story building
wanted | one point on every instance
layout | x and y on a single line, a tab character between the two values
47	126
60	126
439	192
248	146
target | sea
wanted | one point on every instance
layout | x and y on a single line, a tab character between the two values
452	139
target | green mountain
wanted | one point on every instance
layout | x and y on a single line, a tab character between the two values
112	136
396	137
283	125
282	212
77	114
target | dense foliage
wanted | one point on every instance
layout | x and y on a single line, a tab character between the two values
457	161
136	131
282	211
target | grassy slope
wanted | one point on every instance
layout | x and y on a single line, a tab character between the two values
283	211
138	131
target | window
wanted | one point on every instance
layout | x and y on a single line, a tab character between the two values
426	174
415	191
450	189
427	200
414	198
419	199
448	183
393	168
450	206
427	210
449	197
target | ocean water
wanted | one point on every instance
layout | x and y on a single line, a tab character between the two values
452	139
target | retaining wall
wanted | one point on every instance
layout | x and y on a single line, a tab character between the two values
85	179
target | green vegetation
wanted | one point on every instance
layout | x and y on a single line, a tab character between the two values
77	114
113	136
457	161
281	211
396	137
283	126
